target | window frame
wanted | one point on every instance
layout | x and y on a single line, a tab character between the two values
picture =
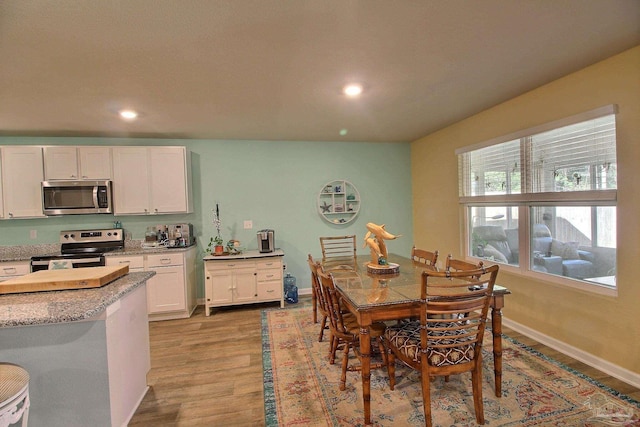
525	200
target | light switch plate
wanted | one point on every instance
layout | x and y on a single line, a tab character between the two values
248	224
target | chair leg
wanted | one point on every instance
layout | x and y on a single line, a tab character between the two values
333	346
323	325
391	369
426	398
345	363
476	382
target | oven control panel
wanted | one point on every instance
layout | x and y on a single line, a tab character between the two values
92	236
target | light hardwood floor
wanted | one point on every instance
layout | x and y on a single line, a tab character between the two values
207	371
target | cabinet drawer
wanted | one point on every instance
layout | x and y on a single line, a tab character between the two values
274	263
270	290
228	265
9	270
134	262
269	274
163	260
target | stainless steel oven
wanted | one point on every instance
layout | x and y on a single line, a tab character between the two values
82	248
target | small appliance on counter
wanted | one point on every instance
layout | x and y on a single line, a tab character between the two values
180	235
266	241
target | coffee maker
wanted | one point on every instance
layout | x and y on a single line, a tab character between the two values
266	241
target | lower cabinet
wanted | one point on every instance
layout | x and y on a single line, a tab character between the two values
13	269
254	278
171	293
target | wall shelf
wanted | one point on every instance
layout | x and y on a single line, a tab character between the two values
338	202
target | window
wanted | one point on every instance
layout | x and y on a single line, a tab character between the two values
544	199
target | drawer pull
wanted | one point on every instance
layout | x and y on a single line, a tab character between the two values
270	291
10	270
269	275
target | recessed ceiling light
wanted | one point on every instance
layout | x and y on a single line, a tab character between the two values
352	89
343	132
128	114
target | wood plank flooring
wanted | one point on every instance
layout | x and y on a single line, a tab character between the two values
207	371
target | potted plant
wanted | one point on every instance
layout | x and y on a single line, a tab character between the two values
215	246
216	242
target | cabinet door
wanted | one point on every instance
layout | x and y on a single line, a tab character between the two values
168	186
11	270
95	162
245	285
60	162
165	290
22	175
221	289
135	263
130	180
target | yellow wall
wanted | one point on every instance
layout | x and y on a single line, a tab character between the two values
606	327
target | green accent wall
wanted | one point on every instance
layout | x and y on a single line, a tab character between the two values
273	183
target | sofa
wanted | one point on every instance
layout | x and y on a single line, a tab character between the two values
560	258
495	243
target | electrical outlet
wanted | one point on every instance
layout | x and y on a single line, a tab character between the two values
248	224
33	234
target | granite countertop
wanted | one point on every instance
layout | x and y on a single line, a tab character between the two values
37	308
25	252
244	255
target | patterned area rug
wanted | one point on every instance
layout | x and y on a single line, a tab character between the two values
301	387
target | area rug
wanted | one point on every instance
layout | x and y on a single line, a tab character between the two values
301	387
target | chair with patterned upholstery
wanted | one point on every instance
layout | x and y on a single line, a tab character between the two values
345	330
448	337
422	256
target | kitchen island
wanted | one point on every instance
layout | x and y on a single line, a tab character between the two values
86	351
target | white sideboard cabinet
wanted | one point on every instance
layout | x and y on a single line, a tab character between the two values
250	277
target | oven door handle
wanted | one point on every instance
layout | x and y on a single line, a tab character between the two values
73	261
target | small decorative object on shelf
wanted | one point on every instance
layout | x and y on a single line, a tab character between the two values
338	202
375	237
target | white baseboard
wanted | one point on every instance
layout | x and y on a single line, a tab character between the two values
608	368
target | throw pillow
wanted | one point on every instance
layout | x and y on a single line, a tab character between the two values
566	250
491	252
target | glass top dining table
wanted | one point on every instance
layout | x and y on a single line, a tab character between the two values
373	297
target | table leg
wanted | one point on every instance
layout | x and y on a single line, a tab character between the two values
496	326
365	351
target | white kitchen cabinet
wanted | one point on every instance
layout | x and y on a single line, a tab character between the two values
22	175
171	293
13	269
151	180
73	162
243	279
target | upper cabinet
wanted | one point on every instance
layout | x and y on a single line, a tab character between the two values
72	162
22	175
151	180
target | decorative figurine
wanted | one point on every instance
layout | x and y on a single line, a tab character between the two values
375	237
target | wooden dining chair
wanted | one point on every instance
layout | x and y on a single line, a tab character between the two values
448	337
317	297
422	256
345	330
338	252
453	264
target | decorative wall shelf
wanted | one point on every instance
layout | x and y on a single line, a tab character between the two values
338	202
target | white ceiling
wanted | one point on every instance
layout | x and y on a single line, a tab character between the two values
273	69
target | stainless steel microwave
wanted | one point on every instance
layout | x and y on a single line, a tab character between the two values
76	197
